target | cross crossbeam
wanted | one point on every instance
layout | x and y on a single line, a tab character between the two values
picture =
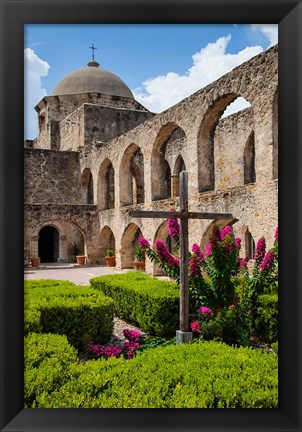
184	334
93	48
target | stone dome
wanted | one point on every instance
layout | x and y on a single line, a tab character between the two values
92	79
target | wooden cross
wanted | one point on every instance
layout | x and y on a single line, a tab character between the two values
184	334
93	48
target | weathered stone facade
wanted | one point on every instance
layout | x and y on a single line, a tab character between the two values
99	156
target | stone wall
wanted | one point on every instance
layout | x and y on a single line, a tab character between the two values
51	177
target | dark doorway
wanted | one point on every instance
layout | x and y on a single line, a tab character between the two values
49	244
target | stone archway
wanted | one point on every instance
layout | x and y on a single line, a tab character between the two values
87	186
169	139
132	186
206	162
178	167
106	186
107	241
128	242
48	244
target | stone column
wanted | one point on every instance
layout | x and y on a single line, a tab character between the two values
63	249
174	186
34	246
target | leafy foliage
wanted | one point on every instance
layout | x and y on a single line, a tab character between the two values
204	375
60	307
150	303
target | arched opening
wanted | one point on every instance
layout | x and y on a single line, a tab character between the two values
107	241
275	136
87	186
128	242
179	166
170	139
74	242
106	188
132	176
206	162
249	160
48	244
249	244
162	234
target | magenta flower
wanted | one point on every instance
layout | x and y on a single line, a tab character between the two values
130	346
260	249
196	249
132	335
173	227
193	266
164	255
209	248
276	234
195	326
204	310
242	262
143	242
267	261
238	243
227	230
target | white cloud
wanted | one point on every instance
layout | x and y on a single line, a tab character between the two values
34	70
238	105
269	30
209	64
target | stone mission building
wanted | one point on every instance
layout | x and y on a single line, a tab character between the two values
99	153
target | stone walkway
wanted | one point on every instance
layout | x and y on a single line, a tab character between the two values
80	275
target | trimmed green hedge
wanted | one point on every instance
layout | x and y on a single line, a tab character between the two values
60	307
204	375
47	361
151	303
266	321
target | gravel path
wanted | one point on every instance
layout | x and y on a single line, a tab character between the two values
118	337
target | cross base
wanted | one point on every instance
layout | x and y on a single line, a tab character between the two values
183	337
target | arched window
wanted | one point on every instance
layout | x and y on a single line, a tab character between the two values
87	186
249	160
106	189
249	245
132	176
171	138
179	166
221	108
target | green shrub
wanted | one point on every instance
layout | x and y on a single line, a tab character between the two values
47	358
266	322
150	303
60	307
205	375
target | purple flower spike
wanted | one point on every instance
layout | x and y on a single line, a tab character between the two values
260	249
196	249
143	242
173	227
226	231
267	261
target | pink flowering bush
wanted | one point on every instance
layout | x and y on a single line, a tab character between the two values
127	350
212	281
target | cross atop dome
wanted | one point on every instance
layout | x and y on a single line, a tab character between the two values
93	63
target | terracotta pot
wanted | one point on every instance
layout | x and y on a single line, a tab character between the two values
81	259
139	265
110	261
35	262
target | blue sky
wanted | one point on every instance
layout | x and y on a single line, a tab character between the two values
161	64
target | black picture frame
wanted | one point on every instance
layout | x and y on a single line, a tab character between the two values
14	15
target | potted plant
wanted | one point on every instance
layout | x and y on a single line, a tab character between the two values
110	258
75	251
140	258
35	261
81	259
